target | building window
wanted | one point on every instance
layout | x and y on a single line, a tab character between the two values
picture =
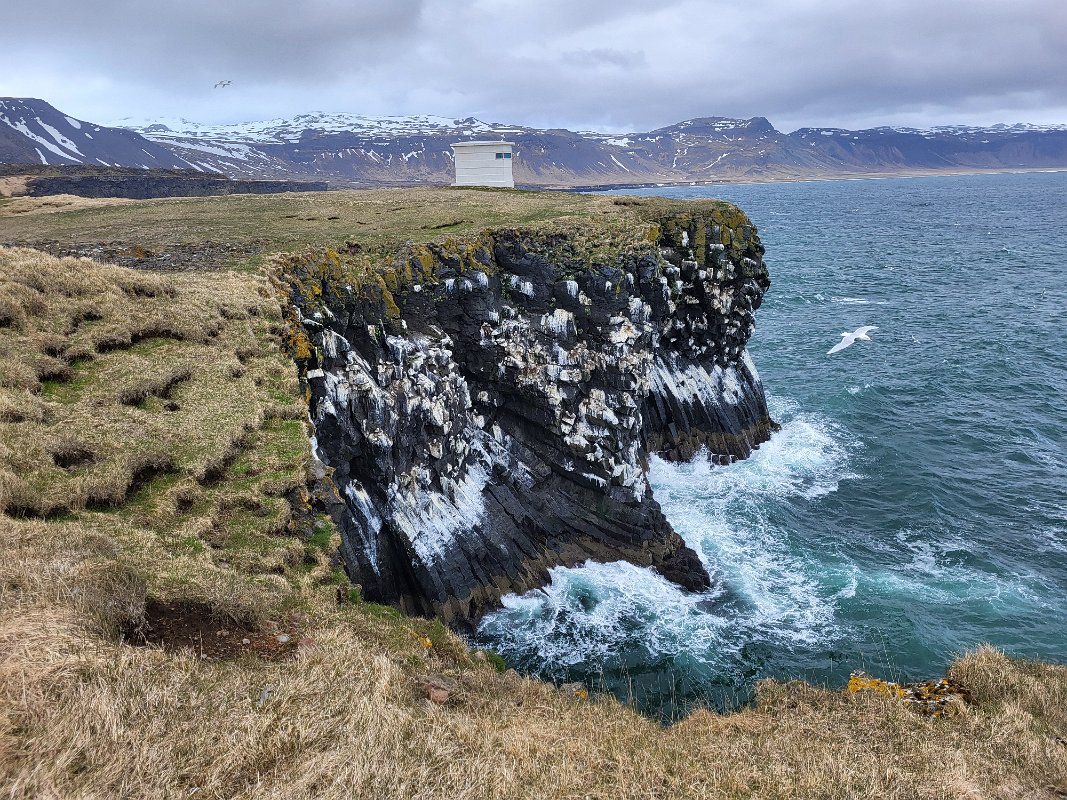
507	155
499	155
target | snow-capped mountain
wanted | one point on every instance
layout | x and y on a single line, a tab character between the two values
416	149
33	132
991	130
274	131
352	149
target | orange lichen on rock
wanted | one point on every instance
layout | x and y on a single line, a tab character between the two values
935	698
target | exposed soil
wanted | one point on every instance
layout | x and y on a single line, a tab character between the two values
72	456
193	626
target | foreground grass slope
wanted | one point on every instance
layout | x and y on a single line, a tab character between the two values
154	473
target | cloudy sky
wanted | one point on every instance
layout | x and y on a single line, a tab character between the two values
612	65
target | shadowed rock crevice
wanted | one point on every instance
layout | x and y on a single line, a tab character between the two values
487	405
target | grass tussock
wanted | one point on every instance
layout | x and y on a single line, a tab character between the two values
111	376
127	522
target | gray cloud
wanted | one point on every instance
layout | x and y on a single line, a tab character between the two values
604	57
163	40
623	64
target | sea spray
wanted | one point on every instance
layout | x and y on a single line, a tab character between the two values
615	625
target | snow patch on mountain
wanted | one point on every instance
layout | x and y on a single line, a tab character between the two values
969	130
61	140
24	129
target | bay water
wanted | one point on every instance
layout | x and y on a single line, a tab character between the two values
914	503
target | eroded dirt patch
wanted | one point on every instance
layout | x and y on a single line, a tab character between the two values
72	455
194	626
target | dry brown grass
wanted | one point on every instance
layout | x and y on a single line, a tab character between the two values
11	185
49	204
85	715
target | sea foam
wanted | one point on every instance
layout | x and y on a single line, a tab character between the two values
603	617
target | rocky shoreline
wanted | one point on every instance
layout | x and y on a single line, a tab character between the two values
485	406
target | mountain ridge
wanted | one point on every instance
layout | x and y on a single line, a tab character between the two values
263	131
32	131
359	150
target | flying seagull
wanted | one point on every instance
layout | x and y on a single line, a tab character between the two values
860	334
223	84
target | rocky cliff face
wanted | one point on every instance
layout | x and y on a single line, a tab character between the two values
487	405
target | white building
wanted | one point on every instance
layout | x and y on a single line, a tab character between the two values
483	163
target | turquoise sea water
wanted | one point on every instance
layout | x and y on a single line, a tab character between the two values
914	503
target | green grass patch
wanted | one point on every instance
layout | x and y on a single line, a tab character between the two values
69	391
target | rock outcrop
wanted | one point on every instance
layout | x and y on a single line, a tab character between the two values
487	405
151	184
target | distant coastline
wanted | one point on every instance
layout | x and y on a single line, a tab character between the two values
848	176
136	183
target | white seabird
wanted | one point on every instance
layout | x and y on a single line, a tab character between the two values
860	334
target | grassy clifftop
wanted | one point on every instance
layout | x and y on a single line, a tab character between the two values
171	623
250	224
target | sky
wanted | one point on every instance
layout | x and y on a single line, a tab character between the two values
606	65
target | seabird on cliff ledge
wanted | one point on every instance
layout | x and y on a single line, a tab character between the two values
860	334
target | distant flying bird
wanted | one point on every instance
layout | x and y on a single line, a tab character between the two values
223	84
858	335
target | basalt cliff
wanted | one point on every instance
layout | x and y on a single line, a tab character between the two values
485	405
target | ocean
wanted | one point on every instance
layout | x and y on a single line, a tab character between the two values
914	504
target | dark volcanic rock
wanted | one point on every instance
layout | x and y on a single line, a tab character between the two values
149	185
705	391
487	405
